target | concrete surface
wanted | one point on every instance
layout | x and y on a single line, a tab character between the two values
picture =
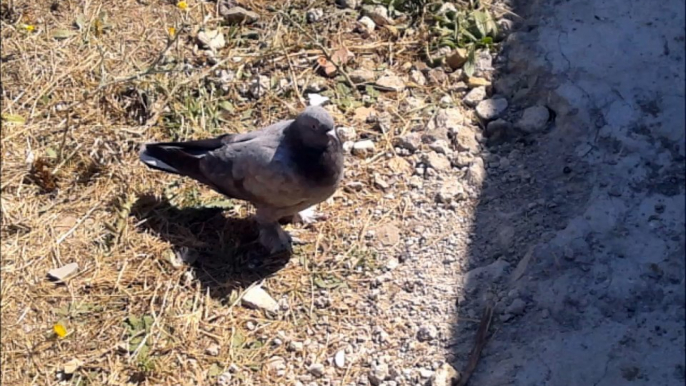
594	228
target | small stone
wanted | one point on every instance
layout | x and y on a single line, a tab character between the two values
362	75
314	15
256	297
476	174
339	359
363	148
465	140
484	62
380	183
440	146
62	273
534	119
250	325
445	101
418	78
450	191
399	165
437	161
315	87
426	373
352	4
366	23
348	146
516	307
475	81
416	182
388	234
354	186
379	14
212	350
437	76
475	96
259	87
238	15
459	87
391	83
296	346
411	142
463	160
378	374
224	379
445	375
392	263
498	127
346	133
71	366
316	369
457	59
490	109
317	100
427	333
212	39
276	364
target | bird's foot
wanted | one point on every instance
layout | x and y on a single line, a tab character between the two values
308	216
275	239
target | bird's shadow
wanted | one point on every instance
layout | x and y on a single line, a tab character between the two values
223	250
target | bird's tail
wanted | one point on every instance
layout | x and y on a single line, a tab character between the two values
181	158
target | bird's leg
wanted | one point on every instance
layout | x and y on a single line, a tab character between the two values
307	216
272	236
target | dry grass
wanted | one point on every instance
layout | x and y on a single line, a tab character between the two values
75	110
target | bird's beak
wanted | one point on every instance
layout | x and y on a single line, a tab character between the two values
332	133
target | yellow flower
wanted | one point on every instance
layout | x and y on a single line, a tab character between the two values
29	27
172	31
182	5
60	330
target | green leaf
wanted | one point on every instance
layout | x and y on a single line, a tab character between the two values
214	370
62	33
470	65
50	152
148	320
371	91
13	118
342	89
237	340
227	106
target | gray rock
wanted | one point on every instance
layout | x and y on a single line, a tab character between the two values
224	379
238	15
534	119
427	333
259	87
362	75
314	15
490	109
450	191
212	39
465	140
476	174
516	307
379	14
437	161
378	374
212	350
440	146
418	78
498	127
391	83
63	272
437	76
363	148
475	96
316	369
411	142
339	359
426	373
445	375
346	134
463	160
256	297
352	4
367	23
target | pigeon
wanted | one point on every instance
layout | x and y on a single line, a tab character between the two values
283	169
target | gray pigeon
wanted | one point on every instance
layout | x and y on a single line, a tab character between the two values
283	169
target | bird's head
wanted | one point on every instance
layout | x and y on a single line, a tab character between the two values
315	127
